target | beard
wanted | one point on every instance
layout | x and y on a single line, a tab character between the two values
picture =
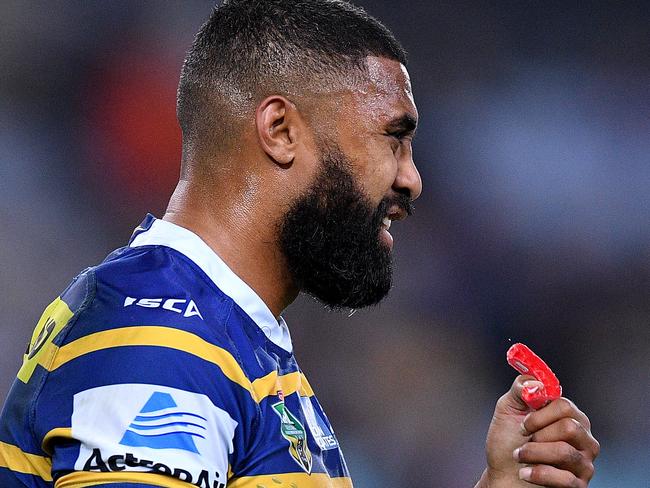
330	238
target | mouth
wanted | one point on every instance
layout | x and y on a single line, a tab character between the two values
386	221
384	235
395	212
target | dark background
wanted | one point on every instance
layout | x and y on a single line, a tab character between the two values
534	224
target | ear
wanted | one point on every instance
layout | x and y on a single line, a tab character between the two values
279	126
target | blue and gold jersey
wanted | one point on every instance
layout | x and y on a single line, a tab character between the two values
161	367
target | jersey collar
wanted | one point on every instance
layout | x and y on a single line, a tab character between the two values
157	232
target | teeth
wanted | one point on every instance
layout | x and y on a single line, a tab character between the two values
386	221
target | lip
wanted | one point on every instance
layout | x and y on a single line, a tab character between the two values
396	213
386	237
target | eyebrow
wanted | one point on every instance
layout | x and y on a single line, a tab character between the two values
404	123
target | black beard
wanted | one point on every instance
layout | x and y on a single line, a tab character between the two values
330	238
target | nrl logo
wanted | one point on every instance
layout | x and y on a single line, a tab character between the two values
293	431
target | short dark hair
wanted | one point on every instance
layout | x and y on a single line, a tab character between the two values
249	49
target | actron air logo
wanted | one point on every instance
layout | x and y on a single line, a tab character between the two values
153	428
160	424
178	305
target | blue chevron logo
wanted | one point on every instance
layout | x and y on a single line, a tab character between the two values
160	424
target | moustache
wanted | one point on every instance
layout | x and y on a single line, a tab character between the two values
400	200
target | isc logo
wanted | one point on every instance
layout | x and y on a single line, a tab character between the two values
189	308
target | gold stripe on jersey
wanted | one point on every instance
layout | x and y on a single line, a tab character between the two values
53	435
180	340
14	459
83	479
157	336
290	480
270	384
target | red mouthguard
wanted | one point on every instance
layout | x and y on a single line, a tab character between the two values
526	361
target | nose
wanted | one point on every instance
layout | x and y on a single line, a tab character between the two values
408	177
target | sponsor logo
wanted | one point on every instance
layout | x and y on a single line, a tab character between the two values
161	425
178	305
153	428
122	462
294	432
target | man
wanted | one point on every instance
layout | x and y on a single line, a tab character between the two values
169	364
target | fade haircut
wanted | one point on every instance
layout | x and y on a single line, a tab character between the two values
249	49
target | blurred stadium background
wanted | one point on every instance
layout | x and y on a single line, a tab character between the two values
534	225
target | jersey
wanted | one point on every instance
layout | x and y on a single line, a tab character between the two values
161	367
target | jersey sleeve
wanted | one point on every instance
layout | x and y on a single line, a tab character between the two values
136	398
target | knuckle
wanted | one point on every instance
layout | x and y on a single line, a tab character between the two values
569	455
577	483
589	471
565	406
571	427
503	400
574	456
596	448
572	481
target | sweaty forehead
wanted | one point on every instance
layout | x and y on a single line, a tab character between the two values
388	77
387	91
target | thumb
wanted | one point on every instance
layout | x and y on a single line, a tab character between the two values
512	402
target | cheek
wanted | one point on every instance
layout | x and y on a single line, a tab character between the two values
374	162
380	173
302	172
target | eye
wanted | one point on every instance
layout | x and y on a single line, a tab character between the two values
399	137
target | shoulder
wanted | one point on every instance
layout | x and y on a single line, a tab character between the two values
147	316
149	286
147	332
149	305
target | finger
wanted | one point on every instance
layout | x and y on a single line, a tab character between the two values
554	411
550	476
570	431
512	402
559	454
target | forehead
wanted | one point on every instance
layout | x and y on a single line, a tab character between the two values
388	77
387	92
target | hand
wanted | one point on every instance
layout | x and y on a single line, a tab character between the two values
550	447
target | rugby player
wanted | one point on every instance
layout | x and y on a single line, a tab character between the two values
169	364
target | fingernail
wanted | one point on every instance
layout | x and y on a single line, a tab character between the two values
515	454
525	473
532	386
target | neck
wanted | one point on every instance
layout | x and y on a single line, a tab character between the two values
243	237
